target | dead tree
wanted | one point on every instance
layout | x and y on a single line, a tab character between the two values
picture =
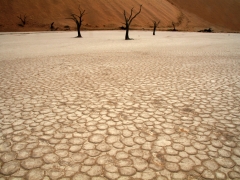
78	20
155	24
52	27
174	29
129	20
23	20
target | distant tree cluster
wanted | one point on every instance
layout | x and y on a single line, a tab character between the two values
78	19
128	20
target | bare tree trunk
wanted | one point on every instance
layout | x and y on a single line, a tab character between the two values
155	24
127	33
174	29
52	27
78	29
154	29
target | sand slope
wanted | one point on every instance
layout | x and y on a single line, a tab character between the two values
221	14
108	14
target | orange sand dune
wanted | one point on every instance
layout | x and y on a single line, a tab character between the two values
188	15
219	14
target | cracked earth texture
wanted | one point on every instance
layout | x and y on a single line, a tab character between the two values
163	107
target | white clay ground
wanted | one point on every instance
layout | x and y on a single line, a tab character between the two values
100	107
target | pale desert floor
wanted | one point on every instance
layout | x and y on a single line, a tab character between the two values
100	107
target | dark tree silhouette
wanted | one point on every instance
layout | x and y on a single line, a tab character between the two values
52	27
155	24
78	20
174	29
129	20
206	30
23	20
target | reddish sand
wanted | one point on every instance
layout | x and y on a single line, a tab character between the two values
188	15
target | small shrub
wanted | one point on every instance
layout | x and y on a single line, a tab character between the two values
66	28
206	30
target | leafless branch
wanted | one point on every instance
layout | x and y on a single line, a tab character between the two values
125	15
136	14
130	14
156	23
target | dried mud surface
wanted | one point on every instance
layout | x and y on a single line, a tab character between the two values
163	107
